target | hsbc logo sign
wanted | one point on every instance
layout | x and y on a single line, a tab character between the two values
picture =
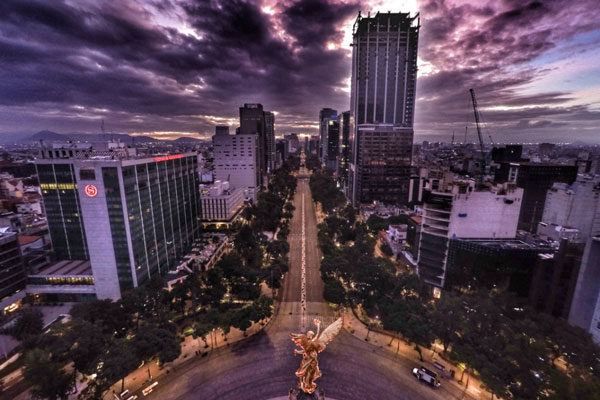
91	190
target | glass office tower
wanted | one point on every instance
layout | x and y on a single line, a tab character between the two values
131	217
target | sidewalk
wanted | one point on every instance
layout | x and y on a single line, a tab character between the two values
190	348
394	345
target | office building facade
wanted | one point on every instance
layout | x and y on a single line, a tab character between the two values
345	120
555	277
236	161
383	92
270	140
12	268
255	121
535	179
585	306
574	206
131	217
252	122
324	114
457	213
332	145
509	264
220	202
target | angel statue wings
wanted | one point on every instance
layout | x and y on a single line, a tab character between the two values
311	346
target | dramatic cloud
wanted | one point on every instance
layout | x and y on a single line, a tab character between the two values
509	51
181	67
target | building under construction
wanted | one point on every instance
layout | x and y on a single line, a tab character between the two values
384	73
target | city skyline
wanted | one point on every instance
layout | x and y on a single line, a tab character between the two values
157	69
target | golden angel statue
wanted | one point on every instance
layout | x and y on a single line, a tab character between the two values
312	345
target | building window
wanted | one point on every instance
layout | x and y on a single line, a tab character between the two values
87	175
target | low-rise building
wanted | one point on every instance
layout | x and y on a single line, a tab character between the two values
220	204
64	281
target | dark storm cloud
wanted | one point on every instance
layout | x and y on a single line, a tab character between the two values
315	22
56	56
65	65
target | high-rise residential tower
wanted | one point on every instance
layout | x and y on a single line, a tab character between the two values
384	73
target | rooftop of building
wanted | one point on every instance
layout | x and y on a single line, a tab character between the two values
516	244
67	268
118	155
537	164
28	239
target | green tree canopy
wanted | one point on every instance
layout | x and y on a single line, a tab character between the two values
28	325
47	378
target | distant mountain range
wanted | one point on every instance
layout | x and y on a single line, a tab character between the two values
49	136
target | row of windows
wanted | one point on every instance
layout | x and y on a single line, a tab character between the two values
62	186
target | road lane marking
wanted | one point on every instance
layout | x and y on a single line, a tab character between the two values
303	271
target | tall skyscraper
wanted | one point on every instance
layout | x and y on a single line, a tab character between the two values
252	122
324	114
255	121
332	145
384	73
344	158
131	217
270	140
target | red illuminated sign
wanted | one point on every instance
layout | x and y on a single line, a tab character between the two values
166	158
91	190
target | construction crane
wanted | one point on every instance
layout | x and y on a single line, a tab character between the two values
477	123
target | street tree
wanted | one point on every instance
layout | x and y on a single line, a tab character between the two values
47	378
117	361
86	349
262	308
212	288
334	292
150	342
28	325
200	329
109	316
447	318
241	319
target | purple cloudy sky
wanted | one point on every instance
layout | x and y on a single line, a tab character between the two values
171	68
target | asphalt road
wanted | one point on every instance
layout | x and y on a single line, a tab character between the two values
263	366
